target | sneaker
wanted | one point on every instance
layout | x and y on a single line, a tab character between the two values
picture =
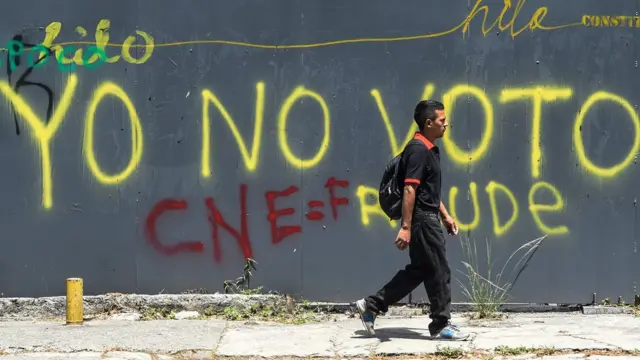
368	317
451	332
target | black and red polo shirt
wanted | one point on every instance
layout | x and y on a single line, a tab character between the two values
421	166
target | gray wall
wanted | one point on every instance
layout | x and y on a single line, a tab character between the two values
104	231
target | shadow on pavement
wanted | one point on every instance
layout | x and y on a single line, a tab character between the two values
386	334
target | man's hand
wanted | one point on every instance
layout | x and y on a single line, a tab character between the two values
403	239
450	224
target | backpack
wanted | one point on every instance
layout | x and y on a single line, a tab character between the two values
390	193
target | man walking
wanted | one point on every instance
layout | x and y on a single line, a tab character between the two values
421	230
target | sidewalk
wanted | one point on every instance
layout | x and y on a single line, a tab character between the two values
618	335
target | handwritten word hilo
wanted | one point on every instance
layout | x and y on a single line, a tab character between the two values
96	53
17	49
102	37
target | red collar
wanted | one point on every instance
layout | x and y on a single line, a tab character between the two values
424	140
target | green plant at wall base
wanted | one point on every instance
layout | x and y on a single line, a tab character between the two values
449	352
153	313
264	312
546	351
242	284
512	351
488	293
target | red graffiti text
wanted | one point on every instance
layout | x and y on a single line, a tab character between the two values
241	235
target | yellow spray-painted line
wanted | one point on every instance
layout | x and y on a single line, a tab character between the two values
293	46
534	23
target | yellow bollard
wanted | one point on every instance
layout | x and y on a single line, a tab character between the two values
74	301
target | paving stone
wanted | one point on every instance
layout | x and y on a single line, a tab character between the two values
54	356
344	337
124	355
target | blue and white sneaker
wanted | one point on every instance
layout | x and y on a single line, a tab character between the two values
451	332
368	317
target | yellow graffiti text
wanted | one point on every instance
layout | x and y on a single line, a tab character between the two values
536	209
101	34
535	22
250	158
393	140
610	21
109	88
537	95
473	193
297	94
491	189
502	223
126	48
579	144
369	208
457	154
43	133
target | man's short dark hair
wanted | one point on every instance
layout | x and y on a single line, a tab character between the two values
426	109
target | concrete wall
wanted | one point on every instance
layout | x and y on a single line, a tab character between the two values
163	168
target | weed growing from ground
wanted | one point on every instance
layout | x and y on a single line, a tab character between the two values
288	313
242	284
521	350
635	307
512	351
152	313
546	351
449	352
266	312
488	293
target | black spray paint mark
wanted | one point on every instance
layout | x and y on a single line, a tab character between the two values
22	81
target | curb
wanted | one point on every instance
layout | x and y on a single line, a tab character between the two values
119	303
458	307
116	303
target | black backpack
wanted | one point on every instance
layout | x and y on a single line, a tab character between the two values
390	194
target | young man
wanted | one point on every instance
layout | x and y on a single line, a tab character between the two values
421	230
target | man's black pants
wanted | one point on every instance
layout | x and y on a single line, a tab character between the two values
428	265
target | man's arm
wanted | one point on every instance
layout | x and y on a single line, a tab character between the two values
408	201
415	164
443	210
449	222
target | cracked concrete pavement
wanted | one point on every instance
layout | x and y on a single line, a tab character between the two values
343	336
